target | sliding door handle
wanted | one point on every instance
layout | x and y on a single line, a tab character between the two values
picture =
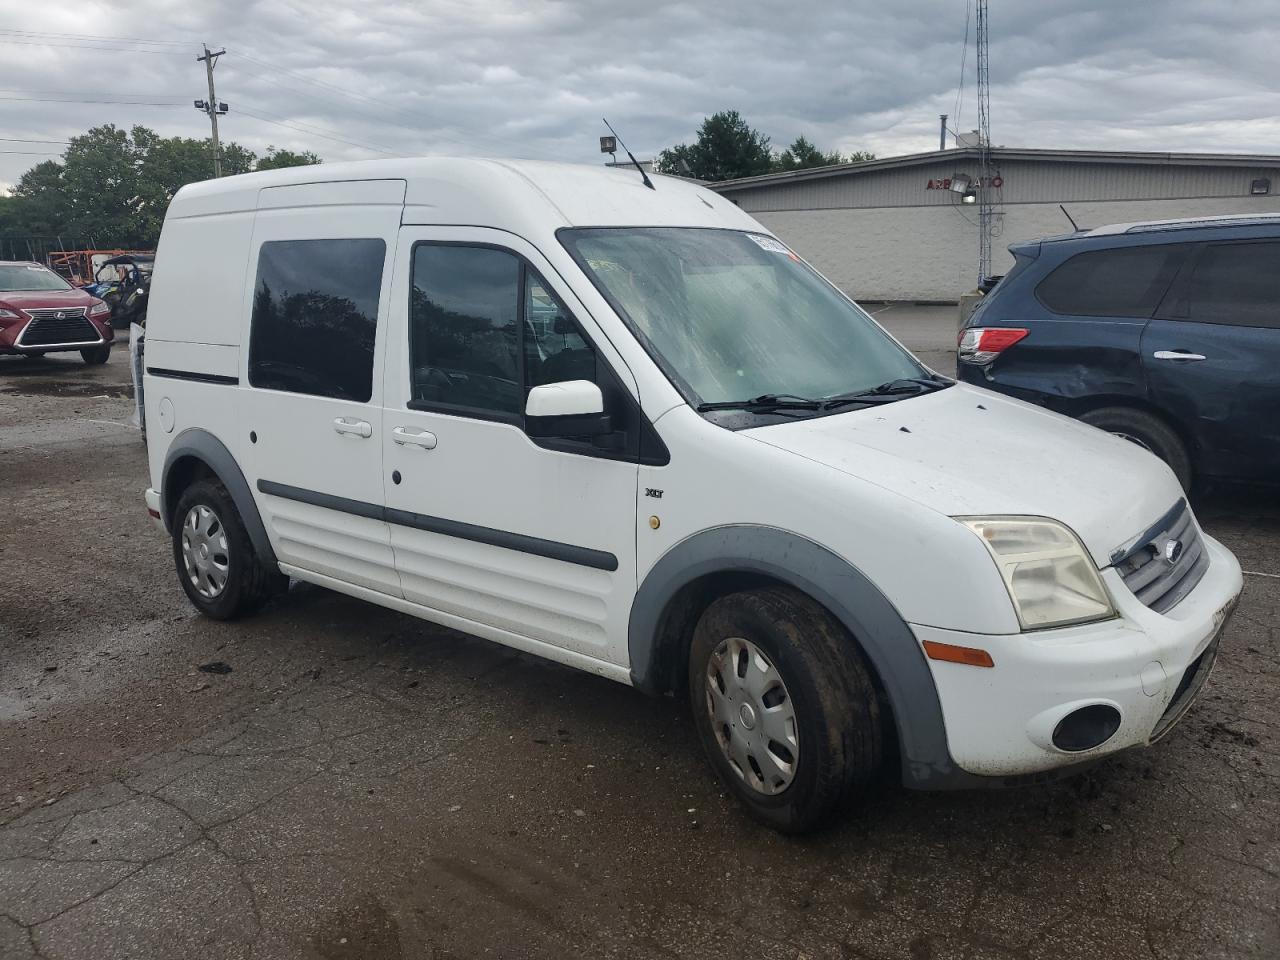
406	436
352	427
1178	355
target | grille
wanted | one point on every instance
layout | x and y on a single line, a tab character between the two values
46	329
1147	570
51	313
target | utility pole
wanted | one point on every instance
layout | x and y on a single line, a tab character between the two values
211	106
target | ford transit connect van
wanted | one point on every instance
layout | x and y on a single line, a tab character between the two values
627	429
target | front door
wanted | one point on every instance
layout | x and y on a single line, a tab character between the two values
310	419
532	541
1212	357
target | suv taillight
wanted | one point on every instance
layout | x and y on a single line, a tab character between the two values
984	344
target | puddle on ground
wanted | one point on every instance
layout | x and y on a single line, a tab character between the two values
62	388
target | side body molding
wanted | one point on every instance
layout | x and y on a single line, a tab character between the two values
204	446
832	581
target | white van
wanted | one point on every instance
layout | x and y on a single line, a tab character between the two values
627	429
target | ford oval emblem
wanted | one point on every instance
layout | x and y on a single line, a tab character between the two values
1173	550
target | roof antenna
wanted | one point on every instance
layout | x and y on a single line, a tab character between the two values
643	176
1068	216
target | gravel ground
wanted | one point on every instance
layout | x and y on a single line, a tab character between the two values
363	784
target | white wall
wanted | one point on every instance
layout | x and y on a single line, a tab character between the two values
931	253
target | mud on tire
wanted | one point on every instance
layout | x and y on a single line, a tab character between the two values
220	572
820	671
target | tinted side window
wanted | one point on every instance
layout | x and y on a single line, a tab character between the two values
1123	282
1236	283
464	335
315	317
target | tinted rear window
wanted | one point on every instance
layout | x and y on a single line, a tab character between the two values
1236	283
315	316
1122	282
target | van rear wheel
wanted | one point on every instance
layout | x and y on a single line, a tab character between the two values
784	706
218	568
1147	431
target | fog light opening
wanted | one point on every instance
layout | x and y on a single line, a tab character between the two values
1086	728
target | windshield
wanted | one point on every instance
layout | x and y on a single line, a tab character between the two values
23	277
732	315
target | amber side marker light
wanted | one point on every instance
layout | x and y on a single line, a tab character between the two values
953	654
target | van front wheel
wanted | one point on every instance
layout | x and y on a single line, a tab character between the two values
218	568
784	706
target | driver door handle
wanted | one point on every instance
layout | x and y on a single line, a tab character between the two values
352	427
1178	355
406	436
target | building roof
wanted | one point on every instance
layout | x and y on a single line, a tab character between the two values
999	155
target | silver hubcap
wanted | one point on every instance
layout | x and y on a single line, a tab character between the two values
752	715
204	551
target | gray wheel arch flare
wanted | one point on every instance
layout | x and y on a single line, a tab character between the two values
205	447
843	590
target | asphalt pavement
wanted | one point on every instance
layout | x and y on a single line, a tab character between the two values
333	780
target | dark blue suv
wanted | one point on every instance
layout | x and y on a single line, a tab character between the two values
1165	333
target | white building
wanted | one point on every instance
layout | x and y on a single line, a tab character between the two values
893	229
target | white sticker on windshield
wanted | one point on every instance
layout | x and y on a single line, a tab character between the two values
37	269
768	243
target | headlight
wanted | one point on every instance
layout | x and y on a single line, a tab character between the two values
98	309
1050	577
8	315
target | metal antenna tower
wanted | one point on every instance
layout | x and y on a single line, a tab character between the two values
985	173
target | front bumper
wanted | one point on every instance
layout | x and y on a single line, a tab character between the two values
1148	666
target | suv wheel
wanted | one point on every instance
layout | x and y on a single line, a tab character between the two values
217	565
95	355
784	706
1147	431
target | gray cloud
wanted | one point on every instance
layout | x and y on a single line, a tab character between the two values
527	78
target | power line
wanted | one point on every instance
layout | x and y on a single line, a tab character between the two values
81	46
290	126
127	103
33	153
418	119
93	36
20	140
325	131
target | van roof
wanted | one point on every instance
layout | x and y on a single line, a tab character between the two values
522	196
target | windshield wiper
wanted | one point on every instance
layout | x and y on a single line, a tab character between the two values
764	403
898	389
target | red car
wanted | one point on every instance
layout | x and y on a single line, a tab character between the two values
41	313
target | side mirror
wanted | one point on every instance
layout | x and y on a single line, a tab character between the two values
568	410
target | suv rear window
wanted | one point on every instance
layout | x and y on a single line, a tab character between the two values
1121	282
1236	283
315	317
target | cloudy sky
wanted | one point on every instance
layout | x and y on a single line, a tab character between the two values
353	80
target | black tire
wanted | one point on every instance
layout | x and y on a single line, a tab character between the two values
248	583
1148	431
96	355
837	713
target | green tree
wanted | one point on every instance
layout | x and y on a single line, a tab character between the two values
114	187
726	148
37	206
277	157
802	154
